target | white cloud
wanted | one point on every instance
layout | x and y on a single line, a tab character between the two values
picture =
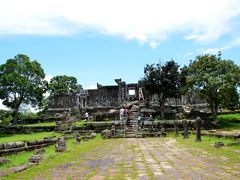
48	78
211	51
147	20
153	44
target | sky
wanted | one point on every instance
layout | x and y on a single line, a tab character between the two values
101	40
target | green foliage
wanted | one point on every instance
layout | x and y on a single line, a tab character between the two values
21	81
63	85
214	78
164	81
5	117
27	115
230	98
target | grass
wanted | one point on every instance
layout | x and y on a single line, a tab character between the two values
16	159
229	121
207	144
229	117
52	159
41	124
80	123
25	137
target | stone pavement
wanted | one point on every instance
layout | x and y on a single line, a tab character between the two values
148	158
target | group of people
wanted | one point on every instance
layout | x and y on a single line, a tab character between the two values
124	112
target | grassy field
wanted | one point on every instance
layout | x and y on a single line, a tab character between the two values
25	137
74	152
229	121
230	151
52	159
23	157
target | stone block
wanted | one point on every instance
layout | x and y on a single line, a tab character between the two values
9	145
35	159
219	144
20	144
3	160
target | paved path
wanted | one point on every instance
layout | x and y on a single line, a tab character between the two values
148	158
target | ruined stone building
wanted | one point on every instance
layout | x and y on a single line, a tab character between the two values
103	96
112	96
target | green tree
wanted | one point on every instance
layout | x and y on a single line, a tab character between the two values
164	81
213	76
63	85
230	98
21	81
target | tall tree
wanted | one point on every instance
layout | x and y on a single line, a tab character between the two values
63	85
162	80
21	81
213	76
230	98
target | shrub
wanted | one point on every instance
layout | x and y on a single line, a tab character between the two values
5	117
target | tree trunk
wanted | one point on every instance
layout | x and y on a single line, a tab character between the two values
214	109
15	115
15	112
162	109
161	103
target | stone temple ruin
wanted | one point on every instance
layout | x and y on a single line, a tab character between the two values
105	102
105	99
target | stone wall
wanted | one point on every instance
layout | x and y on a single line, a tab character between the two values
106	96
63	101
16	147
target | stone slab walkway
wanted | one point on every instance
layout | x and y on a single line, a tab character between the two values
148	158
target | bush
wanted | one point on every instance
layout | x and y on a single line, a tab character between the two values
5	117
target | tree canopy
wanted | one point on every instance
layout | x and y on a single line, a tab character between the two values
63	85
214	78
21	81
163	80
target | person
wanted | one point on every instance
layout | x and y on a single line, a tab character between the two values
126	112
139	120
86	116
121	114
128	121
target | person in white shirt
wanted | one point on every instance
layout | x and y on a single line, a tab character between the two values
86	116
121	114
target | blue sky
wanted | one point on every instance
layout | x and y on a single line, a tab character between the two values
98	41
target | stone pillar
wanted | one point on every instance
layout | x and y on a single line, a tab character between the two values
61	145
77	138
176	128
185	128
198	124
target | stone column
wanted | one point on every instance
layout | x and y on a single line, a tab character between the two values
176	128
198	124
185	128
